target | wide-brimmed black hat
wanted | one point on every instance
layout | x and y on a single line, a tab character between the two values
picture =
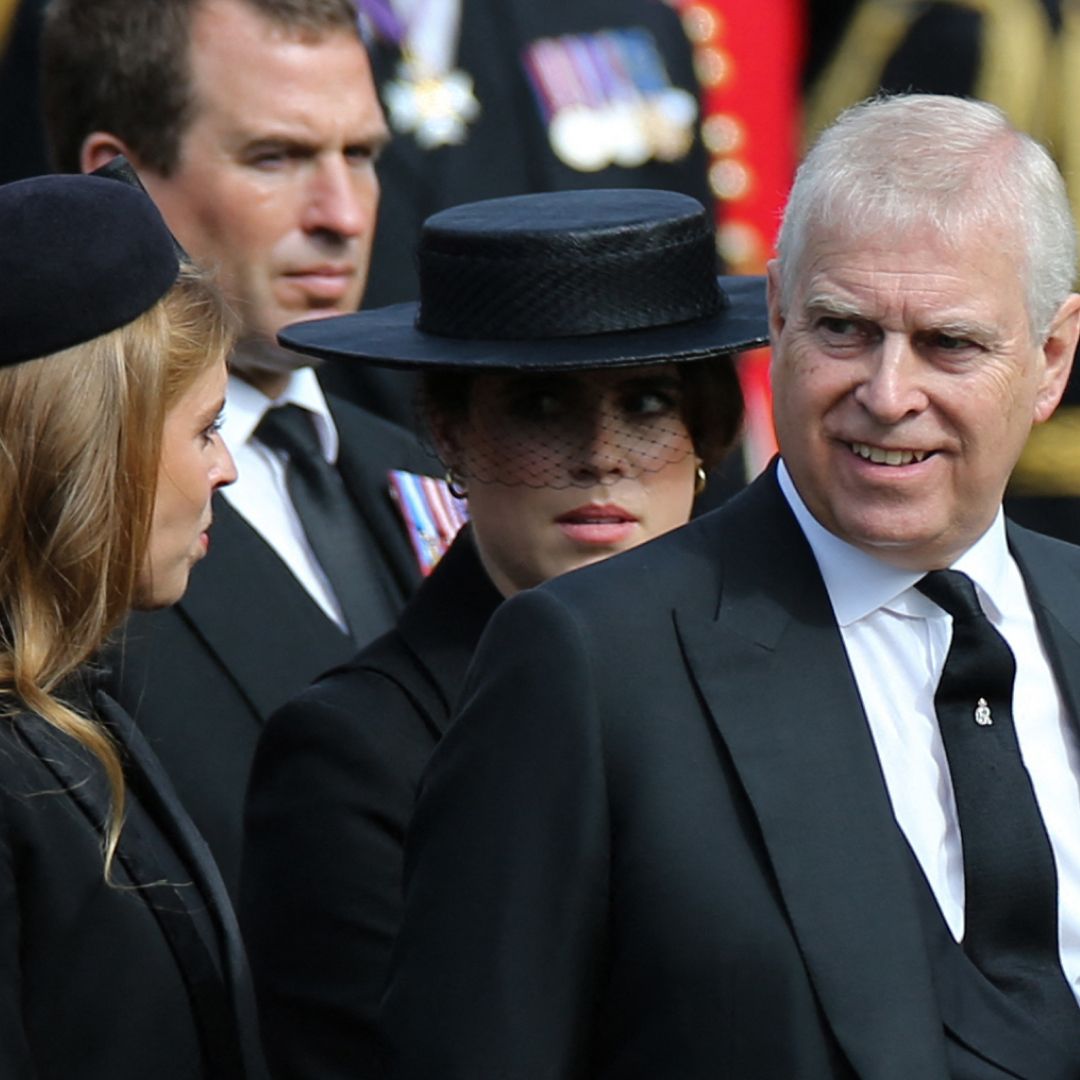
556	281
79	256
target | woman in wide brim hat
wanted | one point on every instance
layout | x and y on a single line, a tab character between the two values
575	350
120	956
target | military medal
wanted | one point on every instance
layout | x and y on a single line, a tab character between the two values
429	97
431	514
669	112
435	109
577	136
607	100
575	127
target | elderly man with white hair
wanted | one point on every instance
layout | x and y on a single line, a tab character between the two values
793	791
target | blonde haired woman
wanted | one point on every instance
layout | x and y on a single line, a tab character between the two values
118	952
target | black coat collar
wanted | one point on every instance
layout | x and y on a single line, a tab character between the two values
428	652
442	624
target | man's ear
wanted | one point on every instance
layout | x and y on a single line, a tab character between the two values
773	298
1058	350
99	148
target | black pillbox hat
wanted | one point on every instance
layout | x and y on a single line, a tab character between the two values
79	256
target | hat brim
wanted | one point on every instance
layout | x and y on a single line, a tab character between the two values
388	337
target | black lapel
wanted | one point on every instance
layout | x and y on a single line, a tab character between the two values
369	447
771	667
428	652
442	624
279	639
155	791
1051	571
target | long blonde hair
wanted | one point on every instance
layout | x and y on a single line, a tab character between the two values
80	439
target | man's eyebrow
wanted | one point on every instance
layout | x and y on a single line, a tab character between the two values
374	143
377	140
949	326
833	305
290	143
299	142
963	328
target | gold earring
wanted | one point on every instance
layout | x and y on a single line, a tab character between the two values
455	484
700	479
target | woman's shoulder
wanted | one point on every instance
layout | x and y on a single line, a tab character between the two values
52	792
383	671
33	748
382	693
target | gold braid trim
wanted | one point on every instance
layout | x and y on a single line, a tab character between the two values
1015	69
1066	146
1016	72
873	34
1050	463
7	19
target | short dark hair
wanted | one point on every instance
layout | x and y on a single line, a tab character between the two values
713	406
123	67
712	403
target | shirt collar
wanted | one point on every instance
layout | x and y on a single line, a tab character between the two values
245	406
859	584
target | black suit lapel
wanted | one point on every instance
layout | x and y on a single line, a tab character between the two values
363	466
155	791
772	670
442	624
1053	587
244	575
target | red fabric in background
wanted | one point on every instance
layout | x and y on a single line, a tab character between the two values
749	55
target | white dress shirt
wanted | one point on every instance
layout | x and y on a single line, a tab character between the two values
260	494
896	641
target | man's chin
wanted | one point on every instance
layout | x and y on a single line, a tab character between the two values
257	355
328	312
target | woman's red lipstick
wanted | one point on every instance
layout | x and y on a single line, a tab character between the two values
600	524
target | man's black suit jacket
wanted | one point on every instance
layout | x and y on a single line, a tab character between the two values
201	678
657	842
137	981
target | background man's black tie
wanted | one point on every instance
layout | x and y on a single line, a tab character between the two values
334	528
1010	883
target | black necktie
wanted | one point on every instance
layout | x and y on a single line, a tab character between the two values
334	528
1010	883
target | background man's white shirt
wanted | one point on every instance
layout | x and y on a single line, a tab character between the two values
260	493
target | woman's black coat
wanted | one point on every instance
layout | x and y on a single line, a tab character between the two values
145	978
332	790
